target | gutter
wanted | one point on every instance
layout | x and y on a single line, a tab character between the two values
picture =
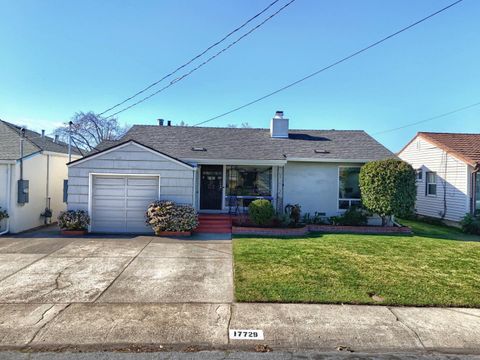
9	195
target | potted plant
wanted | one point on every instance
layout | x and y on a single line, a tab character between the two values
73	222
169	219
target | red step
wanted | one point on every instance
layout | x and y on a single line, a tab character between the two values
214	223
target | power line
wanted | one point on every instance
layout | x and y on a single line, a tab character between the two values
204	62
331	65
192	59
429	119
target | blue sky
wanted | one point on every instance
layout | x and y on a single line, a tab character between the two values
60	57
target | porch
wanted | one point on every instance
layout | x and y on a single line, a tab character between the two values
229	189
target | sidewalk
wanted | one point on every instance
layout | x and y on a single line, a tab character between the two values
198	326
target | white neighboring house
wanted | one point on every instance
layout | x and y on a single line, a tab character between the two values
447	164
219	170
43	169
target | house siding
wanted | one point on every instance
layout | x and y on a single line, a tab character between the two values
176	180
313	185
453	180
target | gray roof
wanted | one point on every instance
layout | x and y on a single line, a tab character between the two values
10	135
256	144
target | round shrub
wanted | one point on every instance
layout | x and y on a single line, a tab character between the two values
168	216
388	188
470	224
73	220
3	214
261	212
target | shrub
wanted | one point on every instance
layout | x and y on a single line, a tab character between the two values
470	224
352	217
73	220
261	212
316	219
388	188
168	216
3	214
293	211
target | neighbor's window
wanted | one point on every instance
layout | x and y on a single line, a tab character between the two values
431	183
348	187
419	174
249	180
477	195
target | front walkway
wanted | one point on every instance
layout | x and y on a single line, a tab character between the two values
164	294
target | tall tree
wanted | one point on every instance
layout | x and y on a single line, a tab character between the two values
89	130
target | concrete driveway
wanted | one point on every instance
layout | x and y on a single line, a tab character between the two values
140	269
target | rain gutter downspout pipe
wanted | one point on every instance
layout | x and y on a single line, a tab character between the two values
9	195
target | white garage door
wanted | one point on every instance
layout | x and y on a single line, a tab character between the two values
119	203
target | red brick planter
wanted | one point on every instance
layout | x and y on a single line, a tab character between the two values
73	232
246	230
173	233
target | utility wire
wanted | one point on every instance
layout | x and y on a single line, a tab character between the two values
429	119
192	59
203	63
331	65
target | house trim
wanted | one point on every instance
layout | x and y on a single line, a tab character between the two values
129	142
235	162
359	161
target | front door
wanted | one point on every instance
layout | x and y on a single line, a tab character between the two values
211	182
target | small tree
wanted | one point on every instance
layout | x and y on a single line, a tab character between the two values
89	129
388	188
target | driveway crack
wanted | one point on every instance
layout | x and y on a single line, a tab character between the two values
397	318
43	314
46	322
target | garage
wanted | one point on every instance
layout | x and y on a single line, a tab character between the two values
119	202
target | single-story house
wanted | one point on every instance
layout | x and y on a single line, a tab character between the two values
32	181
447	164
215	169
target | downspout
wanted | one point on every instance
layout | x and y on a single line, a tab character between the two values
9	195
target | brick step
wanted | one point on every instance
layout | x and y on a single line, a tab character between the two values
213	230
212	222
214	227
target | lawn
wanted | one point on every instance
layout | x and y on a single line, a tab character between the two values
437	266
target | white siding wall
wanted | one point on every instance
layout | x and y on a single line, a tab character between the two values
313	185
452	178
176	181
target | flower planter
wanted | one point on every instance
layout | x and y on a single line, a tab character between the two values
173	233
73	232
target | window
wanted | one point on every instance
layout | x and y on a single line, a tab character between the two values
431	188
419	174
477	194
249	181
348	187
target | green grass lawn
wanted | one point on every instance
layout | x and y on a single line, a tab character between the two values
436	266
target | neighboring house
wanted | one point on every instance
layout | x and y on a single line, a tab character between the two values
43	171
447	164
216	169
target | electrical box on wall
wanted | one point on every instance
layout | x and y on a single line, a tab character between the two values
22	191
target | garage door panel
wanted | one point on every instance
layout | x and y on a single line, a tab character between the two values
143	192
109	191
119	203
106	203
104	180
142	182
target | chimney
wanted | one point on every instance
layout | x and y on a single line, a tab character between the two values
160	122
56	139
43	133
169	123
279	126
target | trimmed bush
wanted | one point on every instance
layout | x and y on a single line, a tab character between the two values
73	220
352	217
168	216
388	188
470	224
294	212
261	212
